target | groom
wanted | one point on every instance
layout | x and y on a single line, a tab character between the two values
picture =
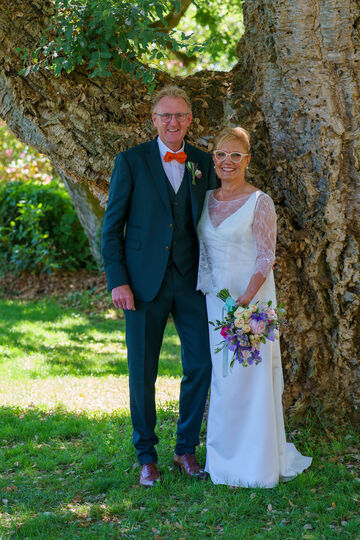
151	255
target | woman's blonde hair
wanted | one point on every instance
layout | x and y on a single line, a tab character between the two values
233	133
173	92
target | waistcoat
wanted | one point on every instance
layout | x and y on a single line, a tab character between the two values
184	248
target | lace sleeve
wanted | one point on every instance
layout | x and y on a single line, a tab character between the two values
264	228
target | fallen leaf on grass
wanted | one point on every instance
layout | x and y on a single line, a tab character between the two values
333	504
291	504
269	507
308	526
10	488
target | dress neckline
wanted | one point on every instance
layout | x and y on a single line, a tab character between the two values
247	195
233	213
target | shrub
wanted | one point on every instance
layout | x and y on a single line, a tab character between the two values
39	229
21	162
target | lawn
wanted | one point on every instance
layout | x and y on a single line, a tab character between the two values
68	468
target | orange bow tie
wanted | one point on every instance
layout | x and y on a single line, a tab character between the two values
180	157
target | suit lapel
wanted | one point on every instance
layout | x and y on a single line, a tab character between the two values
157	172
193	188
159	178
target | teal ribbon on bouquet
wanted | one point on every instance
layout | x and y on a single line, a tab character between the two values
229	305
225	352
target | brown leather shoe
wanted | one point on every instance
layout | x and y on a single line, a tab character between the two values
190	466
149	475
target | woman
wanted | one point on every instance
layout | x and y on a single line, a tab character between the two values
246	443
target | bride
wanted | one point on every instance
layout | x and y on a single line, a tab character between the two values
246	443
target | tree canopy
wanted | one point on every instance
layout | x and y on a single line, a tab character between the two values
136	37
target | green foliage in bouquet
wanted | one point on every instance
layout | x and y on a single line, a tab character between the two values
39	229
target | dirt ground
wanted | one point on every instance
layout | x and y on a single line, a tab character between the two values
57	284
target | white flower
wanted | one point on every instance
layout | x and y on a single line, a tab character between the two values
238	323
239	312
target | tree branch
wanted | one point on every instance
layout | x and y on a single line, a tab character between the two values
172	19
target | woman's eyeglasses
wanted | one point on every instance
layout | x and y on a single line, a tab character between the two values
166	117
235	157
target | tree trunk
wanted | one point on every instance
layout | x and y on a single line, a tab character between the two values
296	88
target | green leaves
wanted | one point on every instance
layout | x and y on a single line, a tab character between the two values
104	32
39	229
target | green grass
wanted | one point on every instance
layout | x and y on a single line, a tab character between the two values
68	468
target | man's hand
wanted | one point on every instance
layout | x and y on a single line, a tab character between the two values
123	297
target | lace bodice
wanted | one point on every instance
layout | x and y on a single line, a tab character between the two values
228	233
264	226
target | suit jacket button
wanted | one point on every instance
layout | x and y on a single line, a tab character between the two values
167	248
170	225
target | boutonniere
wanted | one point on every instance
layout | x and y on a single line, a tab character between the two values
196	174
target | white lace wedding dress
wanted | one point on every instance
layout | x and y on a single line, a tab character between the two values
246	443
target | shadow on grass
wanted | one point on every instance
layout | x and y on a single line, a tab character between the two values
71	344
70	476
61	472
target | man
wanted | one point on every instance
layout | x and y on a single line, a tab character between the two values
150	251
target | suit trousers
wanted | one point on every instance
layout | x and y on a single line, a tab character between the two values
144	334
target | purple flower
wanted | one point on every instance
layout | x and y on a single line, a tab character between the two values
254	356
260	316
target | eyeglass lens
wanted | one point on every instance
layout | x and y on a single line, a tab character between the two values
166	117
235	157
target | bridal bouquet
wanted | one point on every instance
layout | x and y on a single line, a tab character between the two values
244	328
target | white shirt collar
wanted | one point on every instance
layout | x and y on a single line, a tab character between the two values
163	148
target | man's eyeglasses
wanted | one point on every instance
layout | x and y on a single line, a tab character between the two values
166	117
235	157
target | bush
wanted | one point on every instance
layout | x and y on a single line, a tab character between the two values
21	162
39	229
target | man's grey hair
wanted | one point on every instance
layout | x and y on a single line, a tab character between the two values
173	92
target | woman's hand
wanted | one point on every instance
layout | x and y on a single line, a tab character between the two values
244	300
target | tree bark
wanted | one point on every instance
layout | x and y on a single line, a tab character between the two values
296	88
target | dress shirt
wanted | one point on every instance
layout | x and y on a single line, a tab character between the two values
173	169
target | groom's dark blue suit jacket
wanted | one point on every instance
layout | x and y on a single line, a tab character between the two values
137	231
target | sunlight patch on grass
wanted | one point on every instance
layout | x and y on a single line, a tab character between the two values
69	467
108	394
110	348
